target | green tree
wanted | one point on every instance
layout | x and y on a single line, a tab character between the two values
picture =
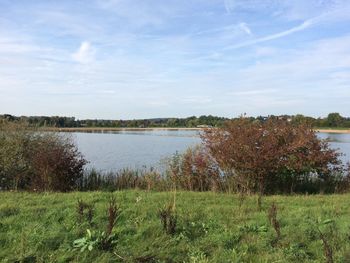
335	120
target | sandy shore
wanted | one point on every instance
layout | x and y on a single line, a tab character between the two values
332	131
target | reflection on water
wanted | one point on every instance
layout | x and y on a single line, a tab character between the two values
133	149
339	141
114	150
335	137
155	132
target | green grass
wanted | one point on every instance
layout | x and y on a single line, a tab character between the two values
211	227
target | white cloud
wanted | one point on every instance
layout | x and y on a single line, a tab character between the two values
265	51
313	12
245	28
16	45
137	14
253	92
287	32
290	10
157	103
229	6
85	53
196	100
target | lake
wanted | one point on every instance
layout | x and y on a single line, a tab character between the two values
110	151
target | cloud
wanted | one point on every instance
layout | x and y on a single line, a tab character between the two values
265	51
138	14
245	28
292	30
320	68
196	100
16	45
333	11
229	6
222	33
85	54
294	10
65	23
157	103
253	92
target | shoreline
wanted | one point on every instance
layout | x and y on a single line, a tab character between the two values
333	131
111	129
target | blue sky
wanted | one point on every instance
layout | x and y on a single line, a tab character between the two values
162	58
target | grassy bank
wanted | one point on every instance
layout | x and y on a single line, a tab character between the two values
210	227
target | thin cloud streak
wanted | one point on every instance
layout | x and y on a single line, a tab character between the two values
306	24
331	15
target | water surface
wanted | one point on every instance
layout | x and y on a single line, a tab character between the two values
110	151
133	149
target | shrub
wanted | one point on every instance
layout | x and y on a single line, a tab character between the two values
56	164
272	156
194	171
14	139
39	161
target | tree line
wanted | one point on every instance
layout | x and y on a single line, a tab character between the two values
61	122
333	120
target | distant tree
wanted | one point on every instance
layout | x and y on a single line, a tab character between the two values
132	124
117	124
335	120
301	119
172	122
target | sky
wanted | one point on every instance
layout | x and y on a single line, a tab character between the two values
125	59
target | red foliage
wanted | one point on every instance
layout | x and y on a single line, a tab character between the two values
194	171
261	155
55	163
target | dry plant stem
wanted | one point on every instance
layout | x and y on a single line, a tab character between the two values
113	212
328	252
272	215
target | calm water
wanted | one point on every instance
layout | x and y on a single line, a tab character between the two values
138	149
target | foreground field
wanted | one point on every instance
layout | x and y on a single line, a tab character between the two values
210	227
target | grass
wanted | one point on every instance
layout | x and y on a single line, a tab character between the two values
210	227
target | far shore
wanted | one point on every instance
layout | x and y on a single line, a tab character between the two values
111	129
102	129
333	130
